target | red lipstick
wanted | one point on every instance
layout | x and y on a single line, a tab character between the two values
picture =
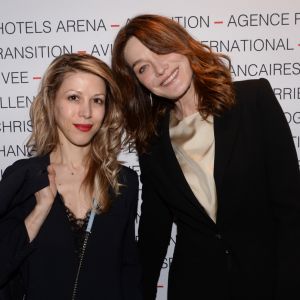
83	127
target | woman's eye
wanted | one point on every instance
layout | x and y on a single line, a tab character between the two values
142	69
99	100
73	97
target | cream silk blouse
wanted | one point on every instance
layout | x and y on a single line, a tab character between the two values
193	142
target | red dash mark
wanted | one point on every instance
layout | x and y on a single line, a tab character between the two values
160	286
81	52
218	22
36	77
299	45
114	25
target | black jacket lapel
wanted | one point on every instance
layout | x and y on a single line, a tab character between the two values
225	130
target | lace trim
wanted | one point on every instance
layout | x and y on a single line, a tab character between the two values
78	226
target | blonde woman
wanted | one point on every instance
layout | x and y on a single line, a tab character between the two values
67	214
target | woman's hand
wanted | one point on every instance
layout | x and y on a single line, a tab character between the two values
45	197
44	200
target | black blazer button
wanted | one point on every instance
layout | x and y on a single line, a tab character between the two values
218	236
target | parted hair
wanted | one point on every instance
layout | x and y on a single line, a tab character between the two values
211	75
103	165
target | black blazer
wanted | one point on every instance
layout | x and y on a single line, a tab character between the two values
253	250
46	268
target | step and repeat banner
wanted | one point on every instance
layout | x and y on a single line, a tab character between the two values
261	37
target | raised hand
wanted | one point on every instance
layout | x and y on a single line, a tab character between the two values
45	197
44	200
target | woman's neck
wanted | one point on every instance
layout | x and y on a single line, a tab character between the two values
67	155
187	104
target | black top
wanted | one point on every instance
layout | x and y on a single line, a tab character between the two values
46	267
78	227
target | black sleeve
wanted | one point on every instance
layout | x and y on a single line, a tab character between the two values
154	235
14	240
284	190
131	272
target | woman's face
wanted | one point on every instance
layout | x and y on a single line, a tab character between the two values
165	75
79	108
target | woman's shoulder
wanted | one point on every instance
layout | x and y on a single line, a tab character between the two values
22	179
128	175
129	186
251	86
29	163
256	98
257	92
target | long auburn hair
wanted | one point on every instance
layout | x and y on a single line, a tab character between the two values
103	166
212	77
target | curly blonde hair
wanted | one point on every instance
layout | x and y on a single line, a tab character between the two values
103	165
212	77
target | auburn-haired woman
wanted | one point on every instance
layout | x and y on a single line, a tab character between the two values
218	159
67	215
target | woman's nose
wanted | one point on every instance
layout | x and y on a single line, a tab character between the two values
85	109
160	66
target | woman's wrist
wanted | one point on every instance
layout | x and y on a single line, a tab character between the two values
35	219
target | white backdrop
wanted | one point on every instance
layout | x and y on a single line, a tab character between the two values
262	37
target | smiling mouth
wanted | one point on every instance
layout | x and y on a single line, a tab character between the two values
170	78
83	127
